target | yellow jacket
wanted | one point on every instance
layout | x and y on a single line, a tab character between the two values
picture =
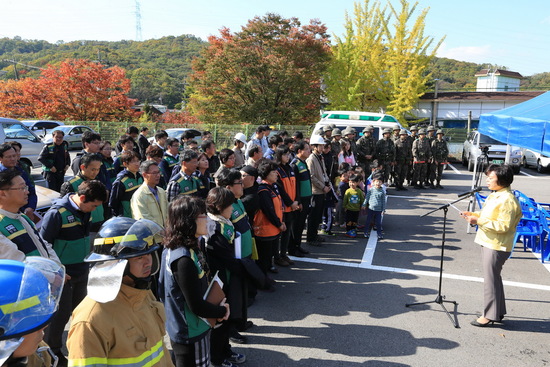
126	331
144	205
497	220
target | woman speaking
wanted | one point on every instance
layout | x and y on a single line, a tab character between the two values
497	222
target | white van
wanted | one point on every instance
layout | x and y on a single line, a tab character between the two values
13	130
358	120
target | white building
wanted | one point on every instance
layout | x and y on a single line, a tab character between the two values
498	81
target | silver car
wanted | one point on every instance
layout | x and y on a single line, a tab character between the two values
496	151
73	135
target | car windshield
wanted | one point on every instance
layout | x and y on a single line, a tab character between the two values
65	129
484	139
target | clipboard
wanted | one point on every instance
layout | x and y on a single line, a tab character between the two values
214	295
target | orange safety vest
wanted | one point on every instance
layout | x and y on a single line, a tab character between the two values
289	184
262	225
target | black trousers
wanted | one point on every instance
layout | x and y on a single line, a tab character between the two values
315	216
265	248
297	226
288	218
74	291
54	179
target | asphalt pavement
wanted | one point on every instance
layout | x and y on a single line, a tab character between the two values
345	304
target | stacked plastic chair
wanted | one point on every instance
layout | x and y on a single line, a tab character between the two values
530	226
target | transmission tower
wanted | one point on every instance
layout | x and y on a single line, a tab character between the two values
138	21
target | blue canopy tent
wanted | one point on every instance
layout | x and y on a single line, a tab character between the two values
525	125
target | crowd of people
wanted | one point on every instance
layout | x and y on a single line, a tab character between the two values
163	218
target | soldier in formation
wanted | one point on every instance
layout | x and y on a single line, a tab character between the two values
421	155
440	153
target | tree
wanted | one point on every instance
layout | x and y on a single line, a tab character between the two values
270	73
382	61
75	89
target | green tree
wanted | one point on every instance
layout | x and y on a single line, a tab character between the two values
382	61
270	72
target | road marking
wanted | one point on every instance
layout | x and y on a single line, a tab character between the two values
454	169
526	174
416	272
368	255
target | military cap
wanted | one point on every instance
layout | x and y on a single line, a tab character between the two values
396	127
440	131
327	128
348	130
431	128
336	132
422	132
370	127
414	128
387	131
332	126
403	132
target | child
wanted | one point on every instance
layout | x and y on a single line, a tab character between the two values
375	202
353	198
342	184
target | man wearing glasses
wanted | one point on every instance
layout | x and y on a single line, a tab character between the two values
17	227
91	142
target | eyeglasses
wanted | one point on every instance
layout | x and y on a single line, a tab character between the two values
153	173
22	188
237	183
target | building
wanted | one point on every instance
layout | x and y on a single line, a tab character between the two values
498	81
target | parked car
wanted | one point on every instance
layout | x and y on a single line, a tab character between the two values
73	135
14	130
40	127
178	132
534	159
496	151
358	121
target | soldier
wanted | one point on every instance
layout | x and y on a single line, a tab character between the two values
403	155
440	153
327	130
385	153
411	138
396	133
431	174
421	155
335	143
366	149
349	135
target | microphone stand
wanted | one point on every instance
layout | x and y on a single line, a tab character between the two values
440	299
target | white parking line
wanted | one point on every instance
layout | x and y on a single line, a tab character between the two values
368	255
415	272
526	174
454	169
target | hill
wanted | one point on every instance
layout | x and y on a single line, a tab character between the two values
158	68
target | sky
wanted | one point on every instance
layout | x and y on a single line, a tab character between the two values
487	31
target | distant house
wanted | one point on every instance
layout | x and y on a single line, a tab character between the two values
156	109
498	81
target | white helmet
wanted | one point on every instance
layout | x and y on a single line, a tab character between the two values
316	140
240	137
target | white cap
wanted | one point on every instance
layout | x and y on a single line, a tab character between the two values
240	137
316	140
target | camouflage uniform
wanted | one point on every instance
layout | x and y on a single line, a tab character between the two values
394	137
366	146
385	153
440	153
411	138
403	155
421	153
335	146
431	173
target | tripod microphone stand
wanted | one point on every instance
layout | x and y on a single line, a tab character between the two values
440	299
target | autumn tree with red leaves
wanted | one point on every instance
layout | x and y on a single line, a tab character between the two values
73	90
268	73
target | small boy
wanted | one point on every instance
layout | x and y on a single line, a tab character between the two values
375	203
353	198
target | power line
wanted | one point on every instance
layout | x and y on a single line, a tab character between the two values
138	21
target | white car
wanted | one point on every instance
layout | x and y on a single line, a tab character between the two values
13	130
496	151
534	159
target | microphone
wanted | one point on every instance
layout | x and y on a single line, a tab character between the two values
477	189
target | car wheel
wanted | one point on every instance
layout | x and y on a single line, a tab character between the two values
524	163
470	164
540	168
464	162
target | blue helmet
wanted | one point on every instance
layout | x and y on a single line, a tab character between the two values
30	296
